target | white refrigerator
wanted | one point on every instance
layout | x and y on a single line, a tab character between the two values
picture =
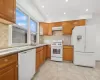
84	42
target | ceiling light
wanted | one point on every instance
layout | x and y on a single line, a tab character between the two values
86	9
42	6
64	12
66	0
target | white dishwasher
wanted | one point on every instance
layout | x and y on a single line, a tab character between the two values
26	63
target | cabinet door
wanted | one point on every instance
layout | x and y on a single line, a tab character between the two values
50	29
79	22
9	9
45	28
9	73
67	28
68	54
1	7
45	52
41	57
37	60
49	52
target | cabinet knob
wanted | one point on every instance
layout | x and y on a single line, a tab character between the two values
6	60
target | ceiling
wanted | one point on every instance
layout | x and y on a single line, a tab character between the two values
61	10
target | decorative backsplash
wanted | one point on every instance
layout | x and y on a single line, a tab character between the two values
3	36
57	35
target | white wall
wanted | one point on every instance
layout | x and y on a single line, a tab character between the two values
96	21
30	9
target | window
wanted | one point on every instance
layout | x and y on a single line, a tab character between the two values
33	26
33	29
19	31
21	19
19	35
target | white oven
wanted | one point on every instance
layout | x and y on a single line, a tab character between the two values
57	50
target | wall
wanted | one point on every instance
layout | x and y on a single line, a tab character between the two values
96	21
57	35
29	8
3	36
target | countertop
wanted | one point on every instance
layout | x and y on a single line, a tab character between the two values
9	51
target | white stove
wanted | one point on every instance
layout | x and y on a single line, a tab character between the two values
57	50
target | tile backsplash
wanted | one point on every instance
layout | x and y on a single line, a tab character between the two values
56	36
3	36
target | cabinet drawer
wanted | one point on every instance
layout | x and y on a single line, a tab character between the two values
5	61
39	49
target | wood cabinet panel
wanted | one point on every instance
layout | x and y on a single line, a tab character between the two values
49	52
37	60
9	73
45	52
79	22
7	11
67	28
5	61
41	57
8	68
68	54
57	24
50	29
45	28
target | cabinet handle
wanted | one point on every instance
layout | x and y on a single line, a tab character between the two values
24	52
6	60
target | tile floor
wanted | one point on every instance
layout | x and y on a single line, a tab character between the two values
66	71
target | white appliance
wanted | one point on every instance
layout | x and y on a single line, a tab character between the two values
57	28
57	50
83	39
26	62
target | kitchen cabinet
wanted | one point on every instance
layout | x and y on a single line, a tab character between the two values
50	29
49	52
47	28
7	11
8	68
45	52
67	28
68	53
27	62
57	24
79	22
39	57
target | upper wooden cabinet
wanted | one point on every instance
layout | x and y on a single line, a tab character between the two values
79	22
44	27
7	11
47	28
67	28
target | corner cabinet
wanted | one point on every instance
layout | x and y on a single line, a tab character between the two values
9	68
47	28
7	11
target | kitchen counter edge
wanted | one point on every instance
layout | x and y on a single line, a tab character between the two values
15	50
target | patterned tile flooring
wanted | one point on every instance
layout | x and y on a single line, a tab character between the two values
66	71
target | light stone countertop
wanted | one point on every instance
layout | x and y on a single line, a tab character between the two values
9	51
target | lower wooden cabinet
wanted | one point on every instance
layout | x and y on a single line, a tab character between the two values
68	53
49	52
40	56
8	68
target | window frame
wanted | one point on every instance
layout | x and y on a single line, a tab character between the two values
28	31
